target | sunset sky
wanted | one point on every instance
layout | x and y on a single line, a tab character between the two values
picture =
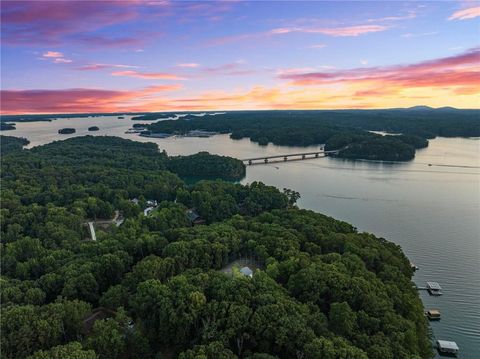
116	56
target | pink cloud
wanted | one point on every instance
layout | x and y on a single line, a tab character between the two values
95	67
56	57
456	71
77	100
43	22
52	54
148	75
347	30
188	65
464	14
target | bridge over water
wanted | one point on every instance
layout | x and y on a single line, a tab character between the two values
289	157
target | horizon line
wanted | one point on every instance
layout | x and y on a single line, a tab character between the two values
416	107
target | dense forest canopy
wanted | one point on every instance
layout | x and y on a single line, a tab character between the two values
10	143
205	165
305	128
156	287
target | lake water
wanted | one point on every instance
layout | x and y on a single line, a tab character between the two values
430	206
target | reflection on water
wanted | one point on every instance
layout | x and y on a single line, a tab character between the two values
430	206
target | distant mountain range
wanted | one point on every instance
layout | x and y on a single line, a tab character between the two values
428	108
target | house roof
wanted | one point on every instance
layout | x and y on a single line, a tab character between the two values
246	271
434	285
192	215
444	344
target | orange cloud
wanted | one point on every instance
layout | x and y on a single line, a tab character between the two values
461	71
78	100
188	65
56	57
148	75
52	54
464	14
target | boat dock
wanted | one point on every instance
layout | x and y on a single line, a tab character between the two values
434	288
447	347
433	314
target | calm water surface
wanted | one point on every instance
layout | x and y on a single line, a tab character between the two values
432	211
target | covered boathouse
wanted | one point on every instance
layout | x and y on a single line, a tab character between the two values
447	347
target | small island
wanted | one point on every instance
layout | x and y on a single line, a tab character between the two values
4	126
93	128
66	131
206	165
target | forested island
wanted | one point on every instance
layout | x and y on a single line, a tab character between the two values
155	286
5	126
204	165
153	116
348	129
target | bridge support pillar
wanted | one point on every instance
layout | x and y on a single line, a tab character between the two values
250	162
316	155
266	160
303	157
285	158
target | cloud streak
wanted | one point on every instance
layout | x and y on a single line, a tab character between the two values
148	75
96	67
469	13
78	100
188	65
52	54
343	31
56	57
